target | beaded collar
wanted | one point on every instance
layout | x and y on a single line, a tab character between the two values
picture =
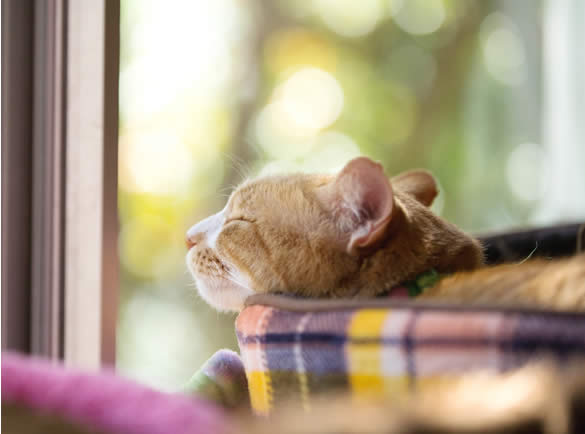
415	287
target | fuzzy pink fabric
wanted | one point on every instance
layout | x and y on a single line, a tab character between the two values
104	401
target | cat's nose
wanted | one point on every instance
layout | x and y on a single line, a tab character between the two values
204	231
192	238
190	242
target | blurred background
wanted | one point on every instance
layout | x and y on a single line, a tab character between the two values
487	94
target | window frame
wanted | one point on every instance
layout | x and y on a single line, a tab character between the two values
60	64
91	257
17	102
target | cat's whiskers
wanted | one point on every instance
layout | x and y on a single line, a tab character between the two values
242	169
530	254
227	189
237	279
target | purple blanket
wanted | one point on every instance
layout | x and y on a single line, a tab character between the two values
103	402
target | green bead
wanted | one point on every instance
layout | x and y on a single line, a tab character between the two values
428	278
413	289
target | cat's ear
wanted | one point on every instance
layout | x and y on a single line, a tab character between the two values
362	198
418	183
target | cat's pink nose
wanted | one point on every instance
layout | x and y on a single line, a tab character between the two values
193	238
204	229
190	242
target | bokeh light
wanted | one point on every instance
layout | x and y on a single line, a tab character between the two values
160	68
308	101
330	152
349	17
171	326
288	48
527	172
418	17
311	100
156	161
503	51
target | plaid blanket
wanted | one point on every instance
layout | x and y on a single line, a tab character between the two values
297	349
221	380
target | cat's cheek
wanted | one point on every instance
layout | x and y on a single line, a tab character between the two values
190	260
222	294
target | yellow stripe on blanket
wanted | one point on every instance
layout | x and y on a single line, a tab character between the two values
364	358
260	391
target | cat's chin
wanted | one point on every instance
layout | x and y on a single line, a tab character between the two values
223	295
220	293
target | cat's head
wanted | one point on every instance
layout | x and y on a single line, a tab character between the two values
314	235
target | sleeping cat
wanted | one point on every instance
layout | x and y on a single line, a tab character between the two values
357	234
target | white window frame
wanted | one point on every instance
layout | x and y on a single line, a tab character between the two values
91	224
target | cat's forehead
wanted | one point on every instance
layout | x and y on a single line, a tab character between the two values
267	191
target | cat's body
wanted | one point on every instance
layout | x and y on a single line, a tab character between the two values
558	284
357	234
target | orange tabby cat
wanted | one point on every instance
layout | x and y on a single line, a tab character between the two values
357	233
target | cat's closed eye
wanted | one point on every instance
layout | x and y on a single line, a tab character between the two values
239	219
